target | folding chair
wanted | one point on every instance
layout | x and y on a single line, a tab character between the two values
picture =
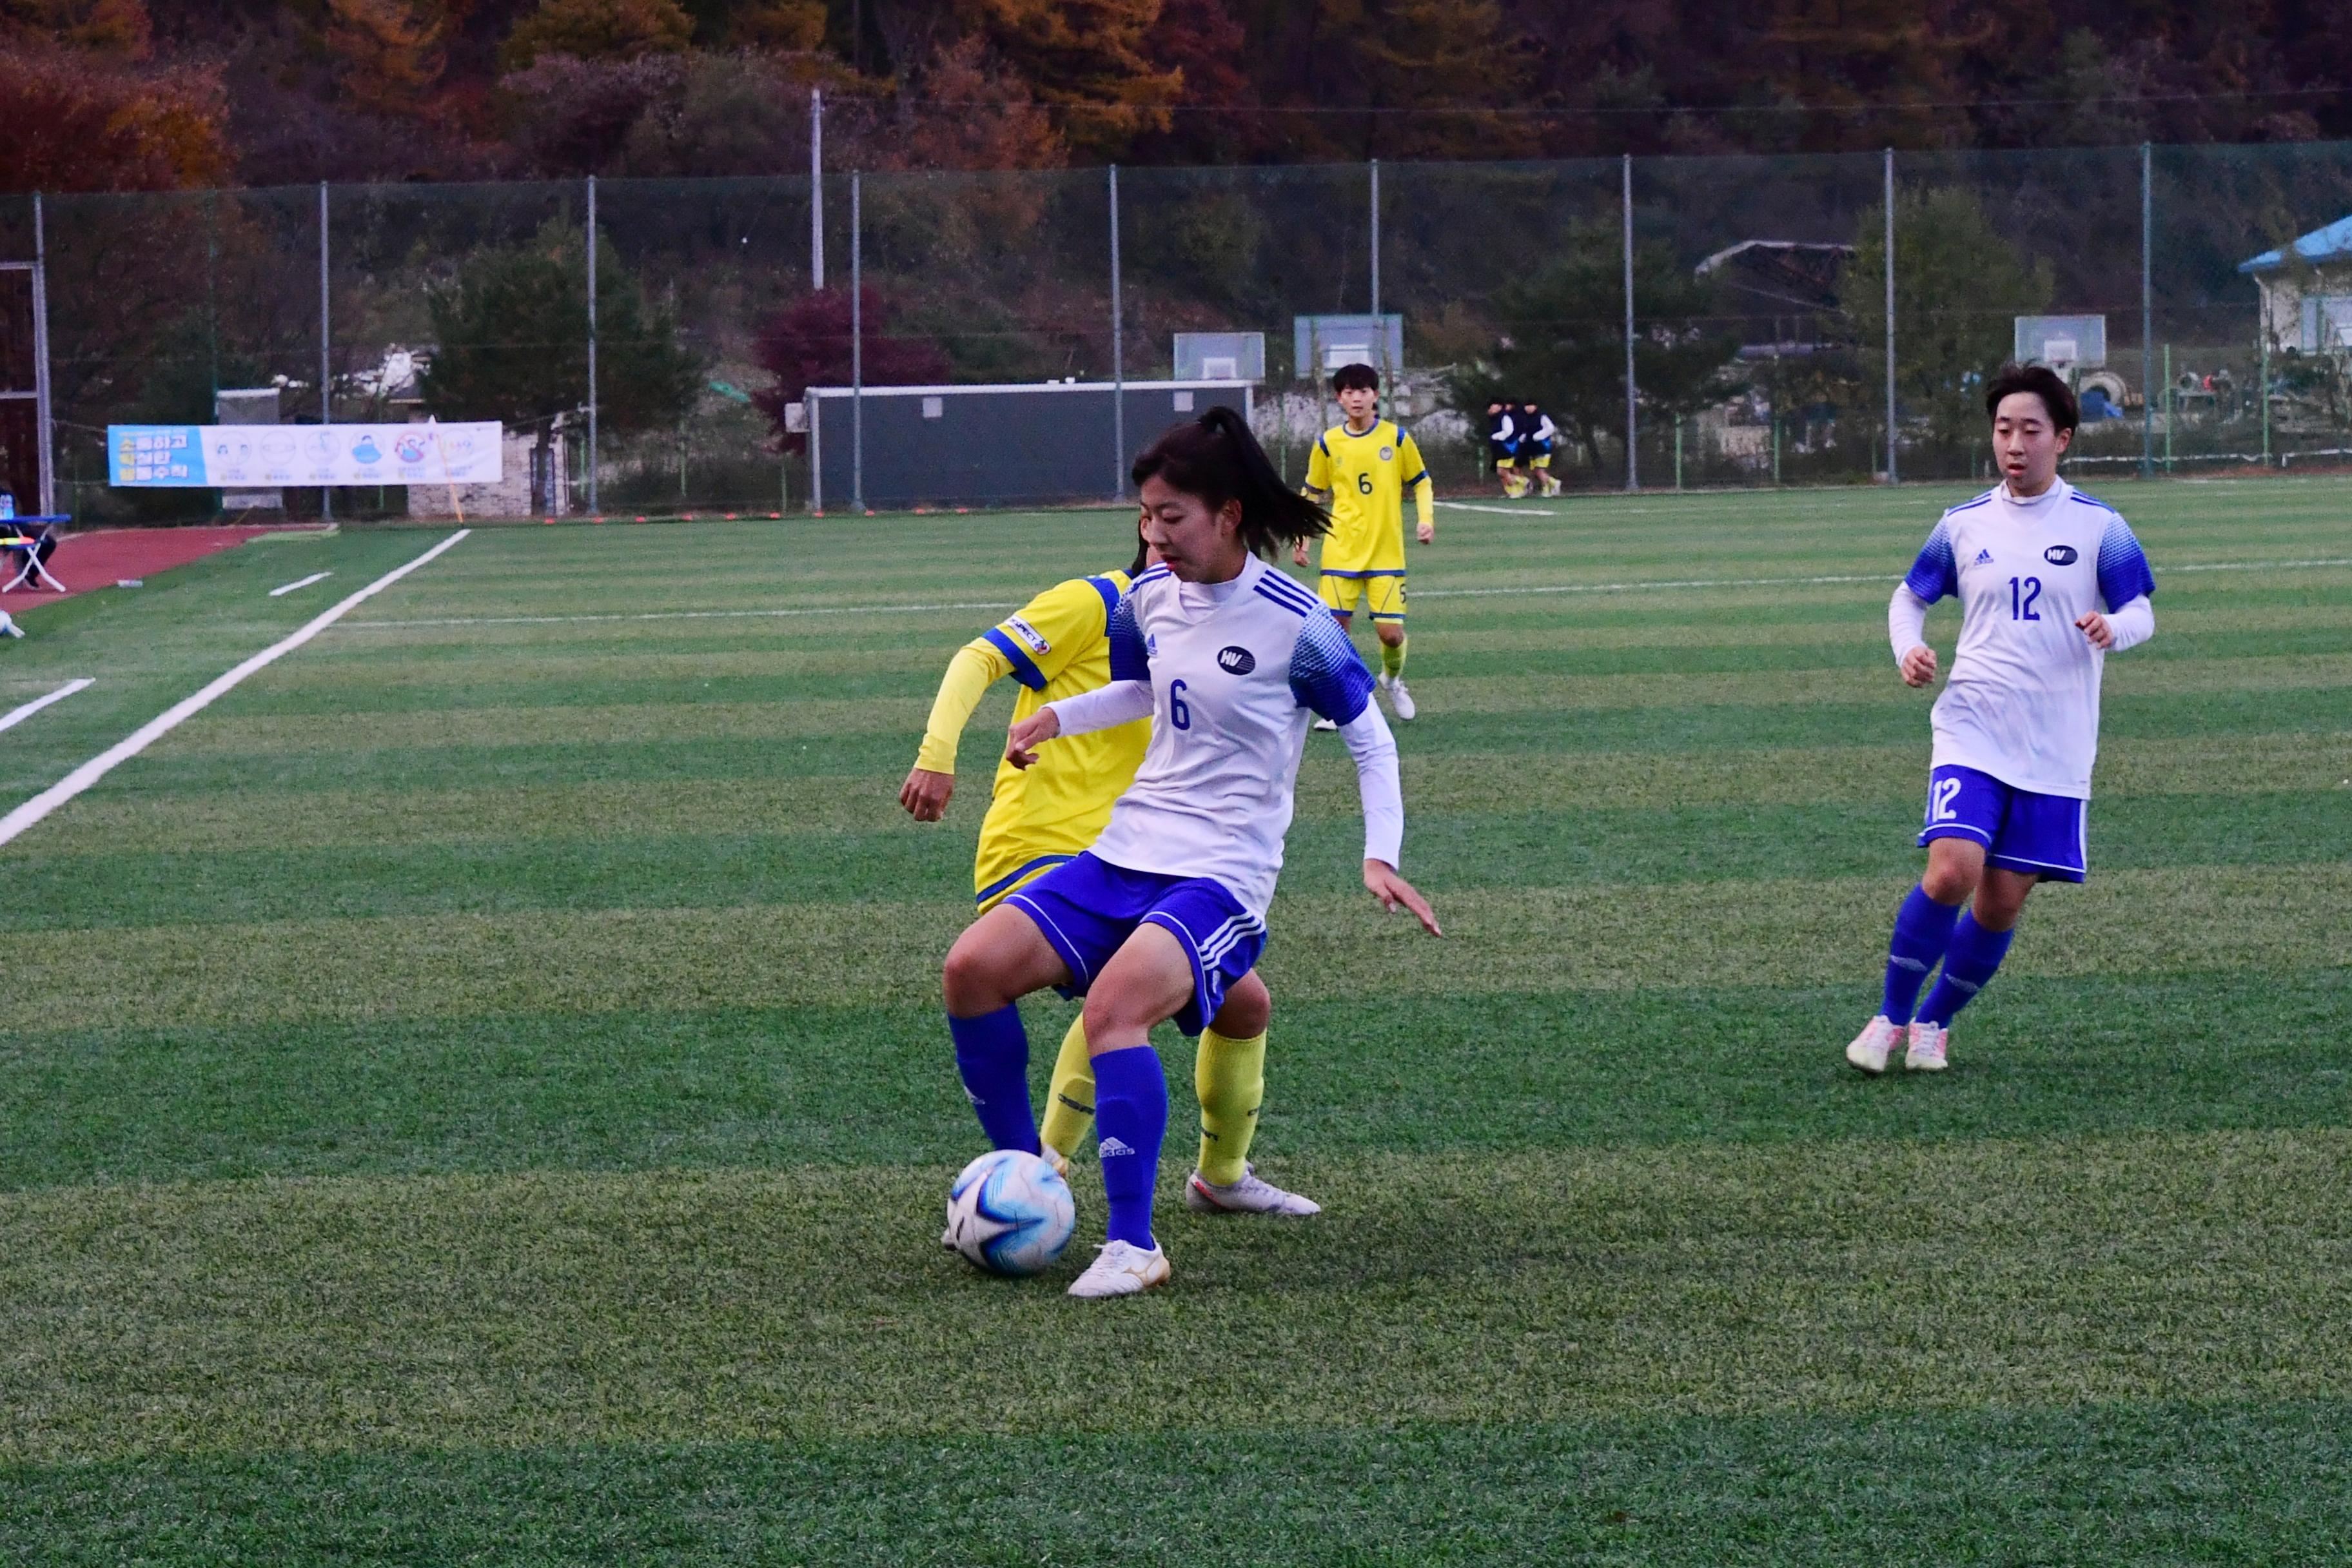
36	548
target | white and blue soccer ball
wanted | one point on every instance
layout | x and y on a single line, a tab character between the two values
1010	1213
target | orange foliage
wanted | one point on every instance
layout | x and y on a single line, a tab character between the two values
118	28
978	116
80	123
598	30
1086	56
388	52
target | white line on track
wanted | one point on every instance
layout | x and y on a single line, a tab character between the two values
164	723
1517	591
304	582
16	716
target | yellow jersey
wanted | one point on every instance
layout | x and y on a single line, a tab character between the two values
1054	647
1367	477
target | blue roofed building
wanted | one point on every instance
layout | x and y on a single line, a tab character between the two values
2306	291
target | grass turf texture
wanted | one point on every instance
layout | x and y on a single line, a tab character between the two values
473	1095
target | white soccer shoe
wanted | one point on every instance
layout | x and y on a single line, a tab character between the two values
1252	1195
1870	1047
1925	1053
1399	698
1121	1269
9	625
1322	723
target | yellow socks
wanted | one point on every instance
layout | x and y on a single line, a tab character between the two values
1070	1102
1230	1077
1392	657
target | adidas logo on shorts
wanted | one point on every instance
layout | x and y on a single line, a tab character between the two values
1110	1148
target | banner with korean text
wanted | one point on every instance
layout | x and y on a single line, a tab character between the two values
236	456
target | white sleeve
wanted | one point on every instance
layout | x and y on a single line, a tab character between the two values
1104	708
1906	620
1374	749
2133	624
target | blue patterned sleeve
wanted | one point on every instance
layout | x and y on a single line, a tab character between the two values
1325	673
1934	575
1130	656
2124	574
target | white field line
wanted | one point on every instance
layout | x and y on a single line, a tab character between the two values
1517	591
1500	511
16	716
164	723
301	583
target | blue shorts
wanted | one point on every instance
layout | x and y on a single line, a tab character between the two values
2041	835
1088	908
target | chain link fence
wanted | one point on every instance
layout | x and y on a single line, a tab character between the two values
1751	296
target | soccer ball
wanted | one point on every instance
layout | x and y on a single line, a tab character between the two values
1010	1213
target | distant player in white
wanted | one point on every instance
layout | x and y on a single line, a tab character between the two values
2049	583
1165	917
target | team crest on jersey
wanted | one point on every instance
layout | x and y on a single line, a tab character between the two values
1236	659
1030	635
2059	555
1387	453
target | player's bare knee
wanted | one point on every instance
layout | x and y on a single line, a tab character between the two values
1390	632
1954	867
1248	1009
970	979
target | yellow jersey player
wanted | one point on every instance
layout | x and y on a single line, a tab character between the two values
1056	646
1362	470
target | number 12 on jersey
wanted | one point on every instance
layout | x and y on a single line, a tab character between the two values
2023	591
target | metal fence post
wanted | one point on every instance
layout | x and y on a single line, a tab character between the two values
857	343
326	376
592	345
2147	315
1632	465
1376	253
1118	354
816	188
47	468
1889	242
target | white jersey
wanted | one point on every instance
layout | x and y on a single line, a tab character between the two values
1237	671
2022	703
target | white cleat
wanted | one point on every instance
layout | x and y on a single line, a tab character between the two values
9	625
1925	1053
1121	1269
1870	1048
1323	723
1251	1194
1400	699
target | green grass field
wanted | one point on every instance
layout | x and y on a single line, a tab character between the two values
477	1093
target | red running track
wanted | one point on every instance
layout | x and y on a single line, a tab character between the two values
107	556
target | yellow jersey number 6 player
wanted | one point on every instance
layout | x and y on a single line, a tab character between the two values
1362	470
1056	647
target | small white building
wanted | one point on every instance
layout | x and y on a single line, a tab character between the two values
2306	291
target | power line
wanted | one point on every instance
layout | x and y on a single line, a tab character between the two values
1559	112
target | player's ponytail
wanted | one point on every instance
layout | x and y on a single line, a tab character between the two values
1215	457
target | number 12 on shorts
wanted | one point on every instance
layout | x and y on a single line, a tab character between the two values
1940	797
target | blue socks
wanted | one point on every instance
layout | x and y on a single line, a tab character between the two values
992	1054
1131	1118
1969	964
1923	930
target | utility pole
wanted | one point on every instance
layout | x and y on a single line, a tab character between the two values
816	188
